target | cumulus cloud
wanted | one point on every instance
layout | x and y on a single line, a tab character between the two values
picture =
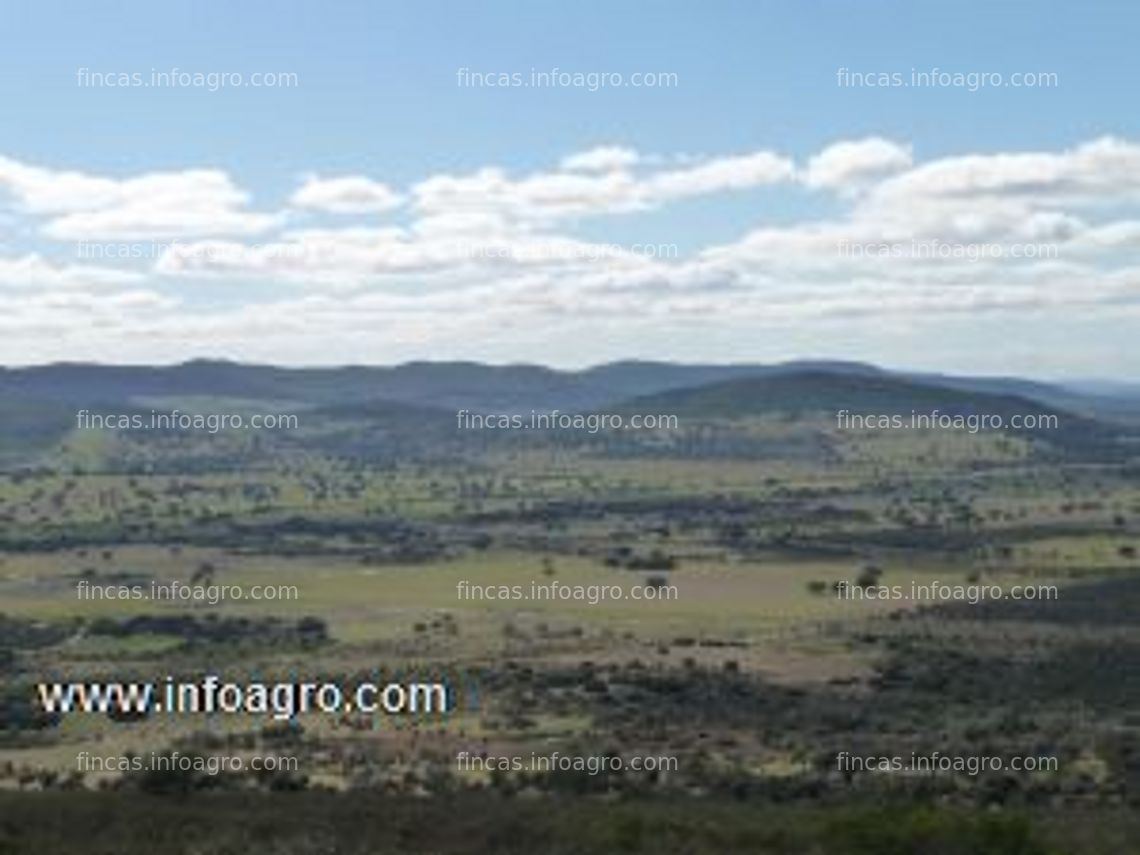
44	191
849	164
550	196
606	158
1100	170
189	203
544	196
455	247
352	194
720	174
491	251
487	228
33	271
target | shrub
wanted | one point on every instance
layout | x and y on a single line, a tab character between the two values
868	576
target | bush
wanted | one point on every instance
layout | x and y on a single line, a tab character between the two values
868	576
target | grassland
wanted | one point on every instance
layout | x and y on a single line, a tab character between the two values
747	668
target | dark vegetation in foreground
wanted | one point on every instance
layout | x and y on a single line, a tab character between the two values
359	823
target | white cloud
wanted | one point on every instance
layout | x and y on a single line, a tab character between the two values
453	247
551	196
34	272
353	194
540	197
44	191
726	173
487	233
190	203
492	254
157	221
605	158
1099	170
849	164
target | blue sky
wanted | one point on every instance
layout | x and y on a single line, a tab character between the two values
378	211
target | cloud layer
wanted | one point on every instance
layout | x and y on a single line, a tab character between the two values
351	258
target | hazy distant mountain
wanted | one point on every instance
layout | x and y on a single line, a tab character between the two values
1105	401
813	390
801	391
489	388
413	406
455	385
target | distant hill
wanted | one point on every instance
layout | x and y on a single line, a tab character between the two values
1109	401
487	388
454	385
28	424
814	390
617	380
406	409
802	392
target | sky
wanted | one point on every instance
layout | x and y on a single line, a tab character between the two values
947	186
